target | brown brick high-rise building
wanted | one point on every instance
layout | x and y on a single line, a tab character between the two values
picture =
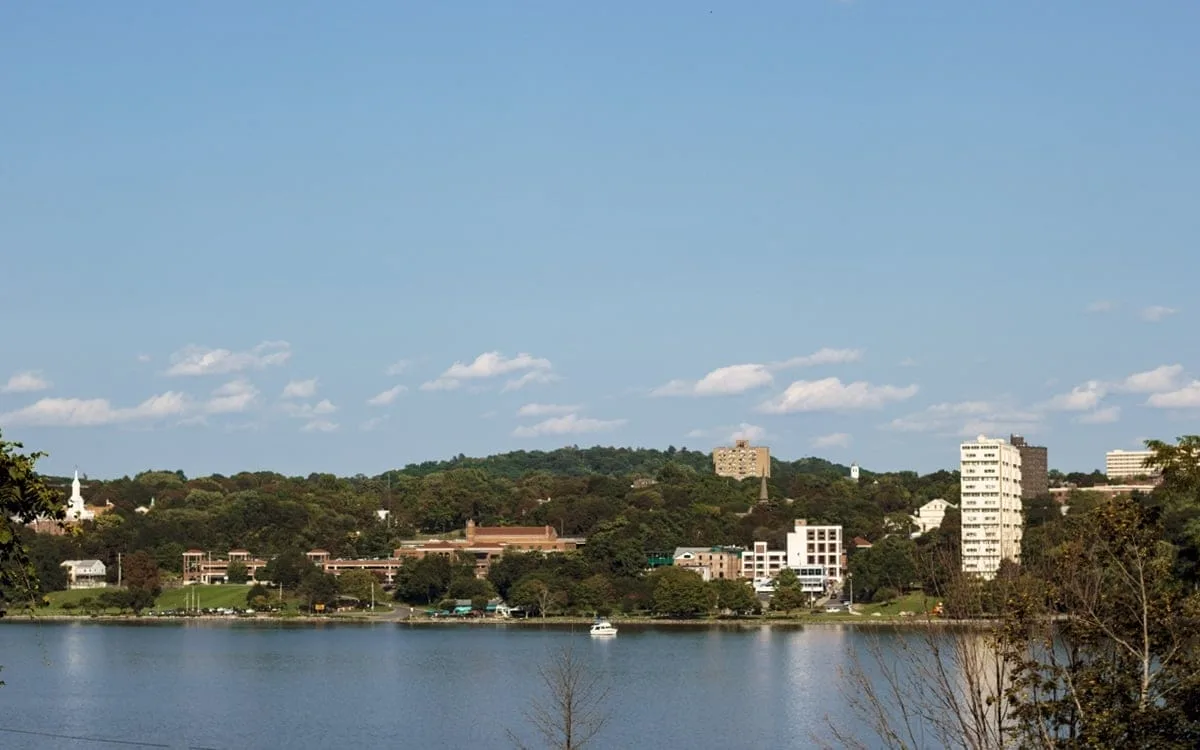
742	460
1034	468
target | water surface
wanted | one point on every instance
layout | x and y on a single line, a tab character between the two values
225	686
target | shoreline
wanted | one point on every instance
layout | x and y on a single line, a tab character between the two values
531	622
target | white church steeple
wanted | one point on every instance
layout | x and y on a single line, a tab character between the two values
75	509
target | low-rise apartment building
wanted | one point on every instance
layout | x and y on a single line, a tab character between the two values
760	563
714	563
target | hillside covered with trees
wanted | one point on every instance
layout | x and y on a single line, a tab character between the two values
646	500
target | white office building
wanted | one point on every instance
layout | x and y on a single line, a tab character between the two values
992	518
1123	464
816	547
760	564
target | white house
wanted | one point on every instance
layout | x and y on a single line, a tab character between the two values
85	574
930	516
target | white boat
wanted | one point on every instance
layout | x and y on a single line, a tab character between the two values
602	627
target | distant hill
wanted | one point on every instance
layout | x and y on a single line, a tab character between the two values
574	461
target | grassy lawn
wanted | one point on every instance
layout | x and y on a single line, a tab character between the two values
204	597
916	602
59	598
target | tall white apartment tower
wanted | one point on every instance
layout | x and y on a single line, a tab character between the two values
992	519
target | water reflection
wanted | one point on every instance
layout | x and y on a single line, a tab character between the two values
300	687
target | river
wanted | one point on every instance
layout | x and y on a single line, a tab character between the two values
235	685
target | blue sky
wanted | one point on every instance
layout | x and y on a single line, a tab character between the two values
861	230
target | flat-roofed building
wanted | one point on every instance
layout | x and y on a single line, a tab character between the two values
816	546
762	564
1123	464
992	514
742	460
1035	470
716	562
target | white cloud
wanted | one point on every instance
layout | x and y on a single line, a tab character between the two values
441	384
373	423
308	411
831	394
1099	306
1084	397
537	376
832	440
234	397
320	425
1156	313
723	381
1160	379
544	410
75	412
386	397
398	367
300	389
569	424
734	379
751	432
967	418
908	362
1187	397
25	382
490	365
199	360
1107	415
825	356
143	358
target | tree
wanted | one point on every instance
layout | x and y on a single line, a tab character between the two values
890	563
531	593
593	594
573	710
287	569
788	598
141	573
237	572
426	579
1105	645
1094	645
735	595
361	584
258	597
25	498
117	599
318	587
469	587
680	592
